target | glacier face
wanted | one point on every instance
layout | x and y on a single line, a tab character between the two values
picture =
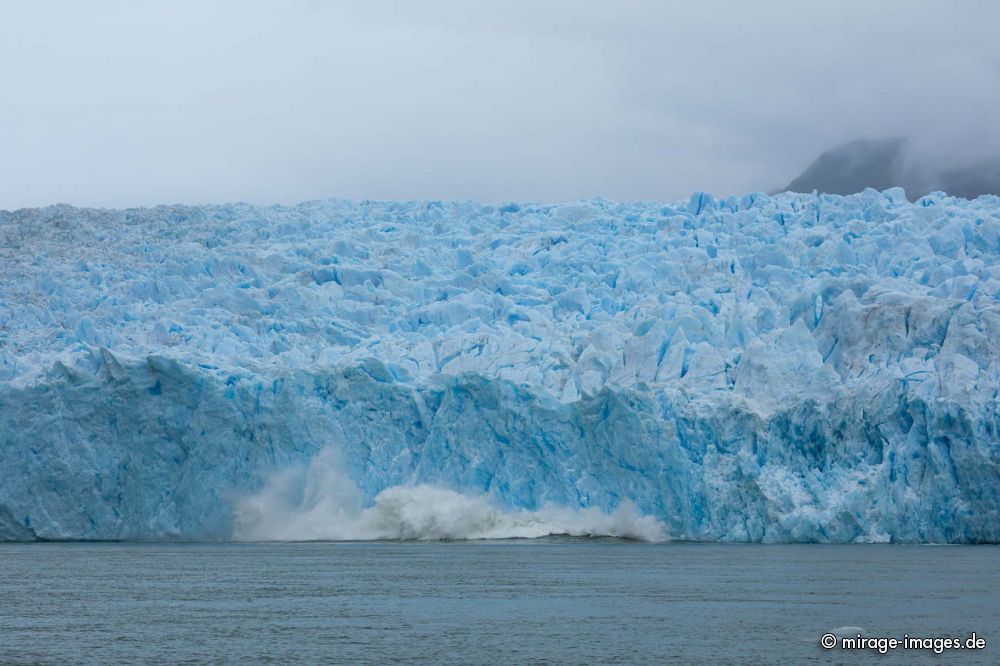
786	368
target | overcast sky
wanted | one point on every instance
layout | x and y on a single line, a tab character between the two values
126	103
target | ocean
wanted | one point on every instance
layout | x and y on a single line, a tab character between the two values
551	601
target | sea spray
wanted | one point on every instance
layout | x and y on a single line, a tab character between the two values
319	502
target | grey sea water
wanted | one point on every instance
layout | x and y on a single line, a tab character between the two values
543	601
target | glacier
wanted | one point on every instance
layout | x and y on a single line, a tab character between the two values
797	367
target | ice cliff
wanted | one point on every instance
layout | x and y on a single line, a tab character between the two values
786	368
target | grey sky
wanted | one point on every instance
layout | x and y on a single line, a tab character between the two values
128	103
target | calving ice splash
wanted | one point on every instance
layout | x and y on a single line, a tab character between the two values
319	501
784	368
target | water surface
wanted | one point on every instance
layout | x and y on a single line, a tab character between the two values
541	601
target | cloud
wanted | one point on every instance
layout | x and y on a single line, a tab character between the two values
115	104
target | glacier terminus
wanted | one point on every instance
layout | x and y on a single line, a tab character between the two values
789	368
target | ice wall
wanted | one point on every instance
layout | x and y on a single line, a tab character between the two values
756	368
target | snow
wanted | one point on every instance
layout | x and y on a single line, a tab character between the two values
784	368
